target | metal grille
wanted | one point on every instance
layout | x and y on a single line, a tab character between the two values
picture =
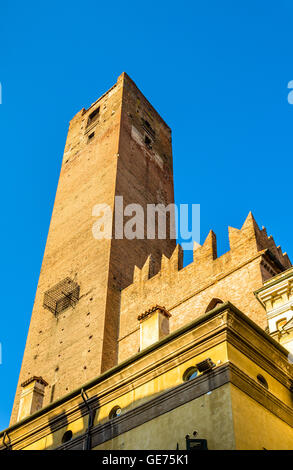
63	295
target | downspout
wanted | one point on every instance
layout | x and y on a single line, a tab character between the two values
8	446
87	442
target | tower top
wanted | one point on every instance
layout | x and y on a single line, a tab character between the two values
125	78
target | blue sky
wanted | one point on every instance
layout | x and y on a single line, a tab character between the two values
217	72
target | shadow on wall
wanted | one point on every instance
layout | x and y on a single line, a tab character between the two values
213	304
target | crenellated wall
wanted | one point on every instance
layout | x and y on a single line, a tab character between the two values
187	292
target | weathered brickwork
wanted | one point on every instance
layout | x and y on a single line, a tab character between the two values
105	155
186	293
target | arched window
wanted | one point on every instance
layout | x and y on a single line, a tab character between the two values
262	381
213	303
190	373
281	323
67	436
115	412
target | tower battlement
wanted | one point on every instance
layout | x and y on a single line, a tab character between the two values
244	243
186	292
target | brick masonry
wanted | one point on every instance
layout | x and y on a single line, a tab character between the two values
186	293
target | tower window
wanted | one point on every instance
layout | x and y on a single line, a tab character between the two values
67	436
262	381
148	141
146	125
91	136
93	116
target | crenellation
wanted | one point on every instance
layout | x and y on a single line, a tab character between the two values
186	292
176	259
208	251
146	272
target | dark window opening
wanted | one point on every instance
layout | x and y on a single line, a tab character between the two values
148	127
190	374
67	436
93	116
148	142
115	412
91	136
262	381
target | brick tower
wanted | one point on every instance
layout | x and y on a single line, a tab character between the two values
120	146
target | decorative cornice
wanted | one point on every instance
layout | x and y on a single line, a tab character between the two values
39	380
288	326
261	354
178	396
263	396
223	324
155	407
283	276
285	308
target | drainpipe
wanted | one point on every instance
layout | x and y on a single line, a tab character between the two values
8	446
87	443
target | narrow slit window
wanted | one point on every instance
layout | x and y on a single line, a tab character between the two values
91	136
93	116
146	125
148	142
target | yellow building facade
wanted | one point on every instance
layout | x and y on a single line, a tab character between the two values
227	404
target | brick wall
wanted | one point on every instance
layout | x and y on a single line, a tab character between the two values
186	293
